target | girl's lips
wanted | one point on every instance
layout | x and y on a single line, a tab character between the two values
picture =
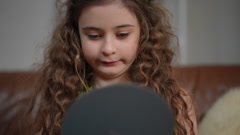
110	62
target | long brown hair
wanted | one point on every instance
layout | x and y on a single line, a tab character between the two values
64	72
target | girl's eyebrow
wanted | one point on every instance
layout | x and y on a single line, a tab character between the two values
96	28
124	25
91	28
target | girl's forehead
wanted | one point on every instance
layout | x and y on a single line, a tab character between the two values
108	13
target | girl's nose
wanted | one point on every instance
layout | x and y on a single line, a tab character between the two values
108	47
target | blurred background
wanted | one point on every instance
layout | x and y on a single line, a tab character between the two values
208	31
208	56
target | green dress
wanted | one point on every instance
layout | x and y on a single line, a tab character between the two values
80	93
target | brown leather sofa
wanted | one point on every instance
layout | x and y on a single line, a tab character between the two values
206	83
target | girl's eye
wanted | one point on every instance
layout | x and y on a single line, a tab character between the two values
122	35
94	36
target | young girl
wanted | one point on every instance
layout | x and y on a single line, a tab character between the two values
98	43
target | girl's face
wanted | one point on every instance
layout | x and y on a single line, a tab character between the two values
110	38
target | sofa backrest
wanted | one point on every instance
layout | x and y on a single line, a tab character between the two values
205	83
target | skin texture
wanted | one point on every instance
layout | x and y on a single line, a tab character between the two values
109	47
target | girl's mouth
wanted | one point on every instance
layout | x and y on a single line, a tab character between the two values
110	63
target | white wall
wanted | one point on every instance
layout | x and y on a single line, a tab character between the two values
213	32
24	28
209	31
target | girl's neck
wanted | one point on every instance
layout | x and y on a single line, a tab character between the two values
99	82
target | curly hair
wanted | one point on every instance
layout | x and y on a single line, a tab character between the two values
64	72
